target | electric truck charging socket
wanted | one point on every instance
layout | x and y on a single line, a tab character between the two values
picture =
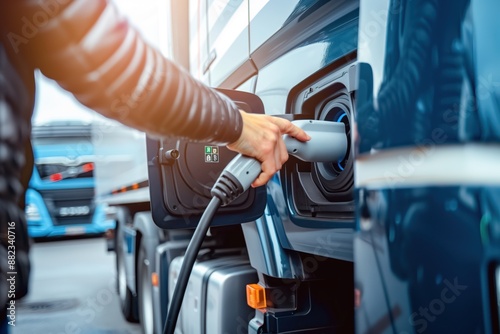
328	143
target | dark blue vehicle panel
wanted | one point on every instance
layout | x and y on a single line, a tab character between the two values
426	248
432	71
420	253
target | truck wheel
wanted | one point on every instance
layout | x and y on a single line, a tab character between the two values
117	284
145	293
128	303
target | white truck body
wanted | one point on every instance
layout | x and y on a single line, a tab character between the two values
121	164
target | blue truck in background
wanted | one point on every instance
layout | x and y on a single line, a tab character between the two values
60	198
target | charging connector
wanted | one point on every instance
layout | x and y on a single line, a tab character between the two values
328	141
236	178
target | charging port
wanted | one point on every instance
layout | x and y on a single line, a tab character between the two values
324	191
337	111
343	118
335	178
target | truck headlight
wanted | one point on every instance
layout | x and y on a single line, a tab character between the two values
32	212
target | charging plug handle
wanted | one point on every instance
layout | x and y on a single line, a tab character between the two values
328	143
236	178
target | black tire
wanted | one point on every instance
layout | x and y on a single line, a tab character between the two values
117	287
145	293
128	302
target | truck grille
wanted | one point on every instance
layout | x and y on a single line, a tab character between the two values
70	206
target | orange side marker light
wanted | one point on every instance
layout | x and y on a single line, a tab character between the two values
155	280
256	296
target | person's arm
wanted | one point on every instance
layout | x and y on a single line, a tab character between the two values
93	52
262	139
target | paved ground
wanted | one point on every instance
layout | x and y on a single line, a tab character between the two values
72	291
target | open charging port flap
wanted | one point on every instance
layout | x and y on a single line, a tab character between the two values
182	173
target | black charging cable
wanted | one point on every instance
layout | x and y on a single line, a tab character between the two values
187	264
233	181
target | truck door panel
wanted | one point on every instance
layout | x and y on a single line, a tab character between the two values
266	18
312	77
198	40
228	38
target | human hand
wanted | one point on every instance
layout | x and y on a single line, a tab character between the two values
261	138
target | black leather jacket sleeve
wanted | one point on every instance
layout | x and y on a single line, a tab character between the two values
93	52
16	103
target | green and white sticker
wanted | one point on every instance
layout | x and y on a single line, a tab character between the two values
212	154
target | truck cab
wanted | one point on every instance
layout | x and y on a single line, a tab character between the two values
398	236
60	196
299	58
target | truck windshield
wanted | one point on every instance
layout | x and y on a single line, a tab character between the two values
63	151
